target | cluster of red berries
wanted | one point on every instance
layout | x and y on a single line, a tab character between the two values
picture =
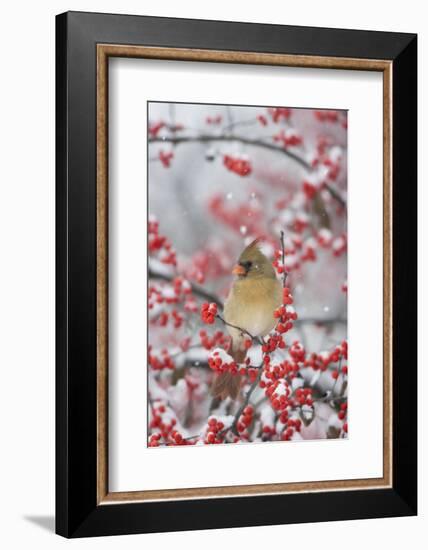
291	426
308	252
297	352
172	294
166	157
285	318
324	237
268	430
154	296
335	373
180	291
343	411
262	119
324	143
178	439
174	438
181	286
218	339
214	119
175	317
332	117
277	263
162	420
310	189
339	245
327	116
333	168
185	343
278	113
287	298
340	351
292	243
317	361
300	251
278	392
219	361
160	362
232	216
274	342
164	425
154	440
329	163
321	361
295	253
250	372
286	369
300	222
288	138
208	312
240	166
212	435
245	420
208	262
302	396
342	416
160	244
155	127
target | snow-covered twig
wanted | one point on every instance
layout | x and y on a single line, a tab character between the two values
207	138
197	290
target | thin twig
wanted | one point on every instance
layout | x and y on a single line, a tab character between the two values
206	138
242	330
238	124
253	386
233	426
284	273
335	194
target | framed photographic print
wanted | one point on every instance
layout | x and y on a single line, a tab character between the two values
236	274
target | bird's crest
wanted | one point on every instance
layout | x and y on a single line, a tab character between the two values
252	252
253	244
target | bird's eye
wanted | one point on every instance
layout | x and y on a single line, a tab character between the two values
247	265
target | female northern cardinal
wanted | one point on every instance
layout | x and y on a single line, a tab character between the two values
250	305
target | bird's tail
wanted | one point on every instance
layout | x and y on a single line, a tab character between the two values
227	384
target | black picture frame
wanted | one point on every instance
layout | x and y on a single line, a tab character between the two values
77	511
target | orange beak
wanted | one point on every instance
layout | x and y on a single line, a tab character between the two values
239	270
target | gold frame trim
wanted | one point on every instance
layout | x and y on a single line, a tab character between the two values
104	51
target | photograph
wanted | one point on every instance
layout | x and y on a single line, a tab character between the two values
247	274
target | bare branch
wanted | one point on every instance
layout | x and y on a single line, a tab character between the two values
335	194
242	330
246	401
206	138
196	289
284	273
